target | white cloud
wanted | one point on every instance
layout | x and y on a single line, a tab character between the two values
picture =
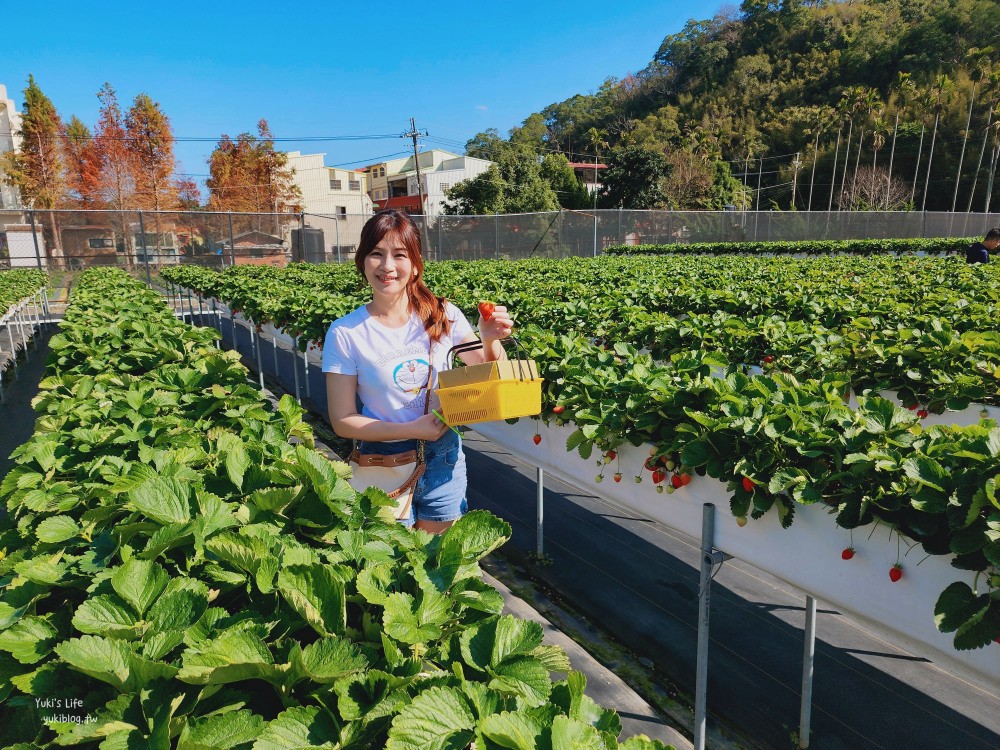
482	108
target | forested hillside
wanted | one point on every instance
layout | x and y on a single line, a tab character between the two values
895	103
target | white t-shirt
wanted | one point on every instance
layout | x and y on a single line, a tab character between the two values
391	363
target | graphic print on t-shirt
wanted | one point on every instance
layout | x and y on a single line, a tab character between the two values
411	376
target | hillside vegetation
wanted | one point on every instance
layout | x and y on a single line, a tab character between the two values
762	94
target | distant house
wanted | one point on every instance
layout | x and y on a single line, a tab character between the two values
10	125
589	174
86	246
329	191
393	184
255	248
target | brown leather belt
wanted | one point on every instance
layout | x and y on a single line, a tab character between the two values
374	459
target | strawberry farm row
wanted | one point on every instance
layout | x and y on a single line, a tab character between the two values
928	329
17	284
933	246
779	439
181	575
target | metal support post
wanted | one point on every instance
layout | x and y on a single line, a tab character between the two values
13	346
336	226
24	336
305	359
191	307
232	319
274	351
36	322
253	343
145	252
709	557
34	237
3	395
258	338
217	315
539	511
232	242
295	367
201	311
48	309
808	659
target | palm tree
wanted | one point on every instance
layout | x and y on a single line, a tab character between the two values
904	90
979	64
879	131
941	84
848	104
925	100
992	85
868	103
821	116
993	164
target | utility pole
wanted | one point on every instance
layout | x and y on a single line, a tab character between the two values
795	177
414	133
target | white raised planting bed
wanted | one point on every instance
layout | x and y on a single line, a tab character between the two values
807	555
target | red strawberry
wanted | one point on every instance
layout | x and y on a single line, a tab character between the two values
848	553
610	455
895	572
748	484
618	476
913	407
676	481
923	414
685	479
558	409
486	310
537	438
650	464
658	476
768	359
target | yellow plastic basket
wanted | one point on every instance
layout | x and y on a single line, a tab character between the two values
493	399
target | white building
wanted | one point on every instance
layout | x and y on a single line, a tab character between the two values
329	190
393	184
10	123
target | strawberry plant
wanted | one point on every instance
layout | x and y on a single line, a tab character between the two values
664	350
180	560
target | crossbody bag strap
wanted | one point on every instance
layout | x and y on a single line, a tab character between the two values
427	400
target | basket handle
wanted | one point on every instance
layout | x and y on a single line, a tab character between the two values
473	345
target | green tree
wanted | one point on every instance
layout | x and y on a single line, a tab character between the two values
37	168
635	179
570	192
513	184
151	143
83	165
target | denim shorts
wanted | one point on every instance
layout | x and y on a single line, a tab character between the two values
440	492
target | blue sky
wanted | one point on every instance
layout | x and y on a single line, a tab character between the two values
332	69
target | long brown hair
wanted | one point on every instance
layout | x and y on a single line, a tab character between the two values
428	306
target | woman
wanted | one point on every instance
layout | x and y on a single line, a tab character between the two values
388	353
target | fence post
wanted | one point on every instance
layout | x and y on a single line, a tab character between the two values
145	252
232	242
496	223
34	237
302	235
336	224
709	558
